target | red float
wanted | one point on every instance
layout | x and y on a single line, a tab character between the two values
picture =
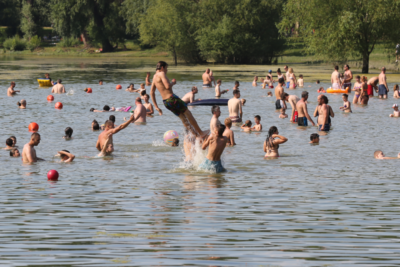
118	87
52	175
50	98
58	105
33	127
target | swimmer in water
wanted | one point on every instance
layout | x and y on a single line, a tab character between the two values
107	148
301	108
346	103
148	105
218	91
191	96
100	82
283	115
317	82
47	76
247	126
236	86
396	112
68	133
271	144
14	140
66	156
228	133
22	104
258	126
321	90
112	118
379	155
131	88
171	101
269	94
15	153
255	81
9	144
216	144
29	152
11	91
175	142
95	125
148	82
314	138
58	88
106	108
396	93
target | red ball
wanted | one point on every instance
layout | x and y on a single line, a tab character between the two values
118	87
33	127
52	175
50	98
89	90
58	105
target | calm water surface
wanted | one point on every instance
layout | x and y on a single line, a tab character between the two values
326	205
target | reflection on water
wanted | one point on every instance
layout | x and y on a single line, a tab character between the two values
331	204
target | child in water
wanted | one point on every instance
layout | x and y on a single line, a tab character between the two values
243	101
175	142
68	133
346	104
321	90
228	133
314	138
269	94
300	81
283	115
379	155
246	126
396	112
396	93
258	126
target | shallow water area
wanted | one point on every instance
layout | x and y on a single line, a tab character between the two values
330	204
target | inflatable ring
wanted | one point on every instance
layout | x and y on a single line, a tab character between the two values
44	82
338	91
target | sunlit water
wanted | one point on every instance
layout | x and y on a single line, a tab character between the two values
331	204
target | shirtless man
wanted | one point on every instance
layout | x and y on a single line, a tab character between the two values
218	91
190	97
29	152
301	108
109	130
255	81
292	99
383	88
214	123
207	79
335	78
348	76
287	75
279	92
235	107
216	144
140	112
372	84
171	101
148	82
58	88
323	114
22	104
11	91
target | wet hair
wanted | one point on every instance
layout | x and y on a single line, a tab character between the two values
228	122
219	81
346	95
13	138
314	136
281	81
221	129
161	64
19	103
142	93
59	81
194	88
92	109
68	132
112	118
236	82
108	123
257	117
376	153
358	77
395	87
106	108
9	142
96	125
214	109
336	67
12	152
325	99
269	139
236	91
175	141
248	123
269	93
304	94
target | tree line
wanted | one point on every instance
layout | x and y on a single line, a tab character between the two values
234	31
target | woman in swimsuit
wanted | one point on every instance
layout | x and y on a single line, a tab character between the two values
364	98
271	145
356	89
396	93
148	105
280	75
292	78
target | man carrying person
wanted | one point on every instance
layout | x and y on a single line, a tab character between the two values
11	91
58	88
301	108
171	101
29	152
335	78
207	81
235	107
383	88
348	76
279	94
292	99
190	97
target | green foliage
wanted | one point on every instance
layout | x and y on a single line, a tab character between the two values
9	15
34	15
15	44
343	28
69	42
34	43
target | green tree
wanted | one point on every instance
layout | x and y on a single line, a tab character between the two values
9	15
339	29
133	11
34	16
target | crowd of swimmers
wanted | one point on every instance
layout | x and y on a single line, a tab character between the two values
220	135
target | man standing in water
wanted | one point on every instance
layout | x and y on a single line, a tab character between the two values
207	79
292	99
323	114
383	88
301	108
279	92
105	138
171	101
335	78
216	144
348	76
372	84
190	97
140	112
235	107
29	152
58	88
11	91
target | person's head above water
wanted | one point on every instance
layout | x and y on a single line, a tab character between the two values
272	130
100	82
220	129
395	87
216	110
345	97
9	142
95	125
314	138
301	76
162	66
237	84
112	118
64	157
379	154
14	153
281	81
14	140
195	90
108	125
35	139
257	118
146	98
68	132
138	100
228	122
324	99
12	84
248	123
236	93
106	108
395	107
304	95
22	103
383	69
175	142
59	81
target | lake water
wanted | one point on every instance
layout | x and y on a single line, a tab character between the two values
326	205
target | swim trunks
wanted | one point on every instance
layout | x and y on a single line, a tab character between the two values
214	166
345	85
235	119
382	90
278	104
335	86
370	90
295	115
326	128
302	121
175	105
207	85
287	84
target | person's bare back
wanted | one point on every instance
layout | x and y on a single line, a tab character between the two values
58	89
207	78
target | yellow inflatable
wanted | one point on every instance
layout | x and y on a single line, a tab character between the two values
44	82
338	91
